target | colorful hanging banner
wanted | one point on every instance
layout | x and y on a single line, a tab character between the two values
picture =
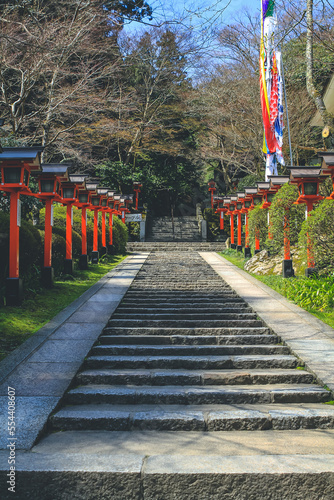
271	89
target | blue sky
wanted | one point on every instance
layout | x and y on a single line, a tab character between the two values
199	11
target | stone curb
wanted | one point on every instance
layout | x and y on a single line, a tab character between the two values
170	477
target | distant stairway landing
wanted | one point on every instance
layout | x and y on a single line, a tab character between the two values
169	246
166	229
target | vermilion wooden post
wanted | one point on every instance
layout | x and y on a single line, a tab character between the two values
221	220
257	241
96	229
103	229
69	231
48	233
270	234
287	255
246	232
95	252
84	231
239	246
247	249
14	234
68	264
310	255
287	269
110	228
83	260
232	229
104	238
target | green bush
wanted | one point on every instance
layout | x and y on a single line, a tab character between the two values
134	231
320	228
120	232
59	221
258	225
283	204
120	236
30	256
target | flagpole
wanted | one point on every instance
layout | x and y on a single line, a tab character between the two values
286	108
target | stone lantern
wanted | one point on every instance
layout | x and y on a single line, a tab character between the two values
308	180
50	179
16	167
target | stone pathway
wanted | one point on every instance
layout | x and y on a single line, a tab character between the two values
188	394
181	336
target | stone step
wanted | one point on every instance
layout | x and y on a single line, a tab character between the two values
172	303
180	239
185	296
170	288
165	247
259	394
185	323
193	377
194	418
187	350
230	331
126	309
153	306
179	315
194	362
188	339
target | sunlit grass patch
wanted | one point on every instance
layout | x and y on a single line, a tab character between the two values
19	323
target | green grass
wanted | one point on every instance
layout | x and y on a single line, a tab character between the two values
237	258
314	295
19	323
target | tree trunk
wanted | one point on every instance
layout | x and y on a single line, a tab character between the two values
315	95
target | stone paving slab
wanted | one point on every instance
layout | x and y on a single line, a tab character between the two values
42	368
191	443
309	338
41	379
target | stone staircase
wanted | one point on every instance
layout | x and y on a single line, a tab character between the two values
169	246
183	352
177	229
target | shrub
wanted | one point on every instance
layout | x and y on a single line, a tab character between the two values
120	232
31	252
258	225
320	228
120	236
134	231
59	221
283	204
